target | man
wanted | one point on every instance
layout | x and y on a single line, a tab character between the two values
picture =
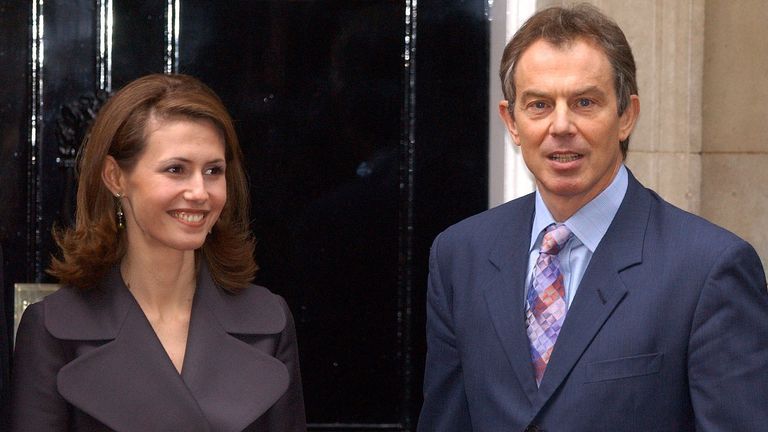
592	304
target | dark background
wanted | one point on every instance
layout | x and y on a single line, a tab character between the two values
364	125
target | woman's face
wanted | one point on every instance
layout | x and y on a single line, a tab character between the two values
177	189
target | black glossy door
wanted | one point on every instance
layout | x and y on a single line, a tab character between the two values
364	129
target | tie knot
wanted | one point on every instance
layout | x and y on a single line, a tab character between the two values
555	237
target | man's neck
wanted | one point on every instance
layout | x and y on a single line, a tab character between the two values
562	207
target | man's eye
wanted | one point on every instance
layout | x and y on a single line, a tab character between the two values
537	106
584	103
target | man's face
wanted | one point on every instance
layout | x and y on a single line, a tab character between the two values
566	123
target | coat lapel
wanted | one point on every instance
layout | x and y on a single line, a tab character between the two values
505	293
122	376
601	289
127	383
233	382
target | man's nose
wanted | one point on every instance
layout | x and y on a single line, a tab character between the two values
562	121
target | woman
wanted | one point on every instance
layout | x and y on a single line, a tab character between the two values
157	327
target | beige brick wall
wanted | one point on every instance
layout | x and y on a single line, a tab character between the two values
734	186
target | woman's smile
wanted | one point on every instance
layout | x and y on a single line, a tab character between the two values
189	217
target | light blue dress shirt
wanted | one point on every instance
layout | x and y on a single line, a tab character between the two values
588	226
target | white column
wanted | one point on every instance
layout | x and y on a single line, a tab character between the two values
508	176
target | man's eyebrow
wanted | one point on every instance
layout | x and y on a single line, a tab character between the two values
589	89
529	94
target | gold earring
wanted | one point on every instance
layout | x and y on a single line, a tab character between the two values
120	215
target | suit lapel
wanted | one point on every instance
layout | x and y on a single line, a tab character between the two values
233	382
128	383
505	293
601	289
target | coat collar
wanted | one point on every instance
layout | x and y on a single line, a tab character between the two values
600	291
225	383
99	313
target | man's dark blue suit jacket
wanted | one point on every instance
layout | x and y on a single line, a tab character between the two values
668	330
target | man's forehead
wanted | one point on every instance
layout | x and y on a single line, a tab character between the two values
580	54
577	68
561	45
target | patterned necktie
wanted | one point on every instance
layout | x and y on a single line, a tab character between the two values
546	304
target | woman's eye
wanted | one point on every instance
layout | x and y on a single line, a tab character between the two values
174	169
216	170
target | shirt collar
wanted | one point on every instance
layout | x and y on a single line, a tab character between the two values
590	223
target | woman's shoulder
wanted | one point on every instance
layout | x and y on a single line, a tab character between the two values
85	314
61	314
259	298
68	296
252	310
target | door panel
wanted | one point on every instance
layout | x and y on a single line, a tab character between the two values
363	125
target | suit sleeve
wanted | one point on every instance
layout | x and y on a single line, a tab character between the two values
35	400
728	347
445	406
288	413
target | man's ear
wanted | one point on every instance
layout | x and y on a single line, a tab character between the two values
509	121
629	117
113	176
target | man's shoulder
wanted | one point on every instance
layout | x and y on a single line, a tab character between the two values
518	210
675	221
678	235
486	226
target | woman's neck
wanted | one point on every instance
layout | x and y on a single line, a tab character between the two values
163	284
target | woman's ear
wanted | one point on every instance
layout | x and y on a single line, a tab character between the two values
112	175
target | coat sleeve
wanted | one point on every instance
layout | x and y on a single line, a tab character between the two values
445	406
35	401
728	348
287	414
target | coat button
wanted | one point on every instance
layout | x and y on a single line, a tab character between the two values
533	428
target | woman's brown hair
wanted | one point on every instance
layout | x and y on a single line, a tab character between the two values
95	243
